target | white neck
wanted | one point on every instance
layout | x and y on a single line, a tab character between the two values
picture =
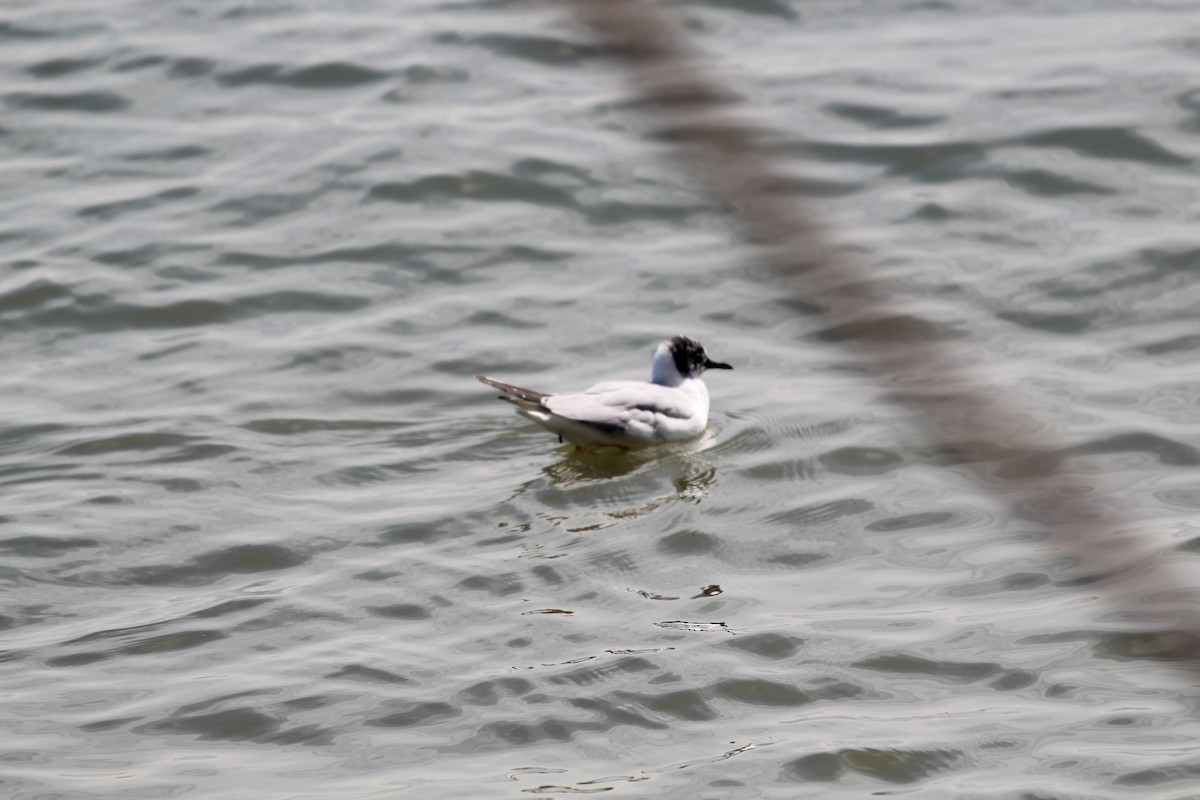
663	372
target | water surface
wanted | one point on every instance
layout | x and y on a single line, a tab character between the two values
264	537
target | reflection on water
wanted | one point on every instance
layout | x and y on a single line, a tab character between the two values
581	465
592	489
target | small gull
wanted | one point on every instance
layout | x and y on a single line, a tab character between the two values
671	407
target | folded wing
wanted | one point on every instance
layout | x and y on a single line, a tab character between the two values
614	412
640	411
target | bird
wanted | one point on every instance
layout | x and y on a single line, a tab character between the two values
671	407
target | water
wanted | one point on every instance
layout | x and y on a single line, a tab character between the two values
264	537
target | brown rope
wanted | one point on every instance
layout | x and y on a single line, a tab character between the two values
961	410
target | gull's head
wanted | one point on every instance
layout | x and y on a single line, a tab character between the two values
680	358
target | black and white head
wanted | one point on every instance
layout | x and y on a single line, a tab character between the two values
680	358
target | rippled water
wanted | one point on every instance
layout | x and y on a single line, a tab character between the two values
264	537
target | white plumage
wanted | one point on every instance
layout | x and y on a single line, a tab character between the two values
671	407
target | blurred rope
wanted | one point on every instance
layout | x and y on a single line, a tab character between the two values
976	421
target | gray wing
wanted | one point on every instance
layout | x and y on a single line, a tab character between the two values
617	406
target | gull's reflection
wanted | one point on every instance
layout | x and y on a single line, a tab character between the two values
599	464
592	489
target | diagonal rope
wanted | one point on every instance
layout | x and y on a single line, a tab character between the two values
976	420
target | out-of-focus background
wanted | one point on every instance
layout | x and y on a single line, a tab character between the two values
264	537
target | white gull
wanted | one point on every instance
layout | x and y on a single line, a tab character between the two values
671	407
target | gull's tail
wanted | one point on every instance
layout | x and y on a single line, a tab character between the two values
532	406
516	394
